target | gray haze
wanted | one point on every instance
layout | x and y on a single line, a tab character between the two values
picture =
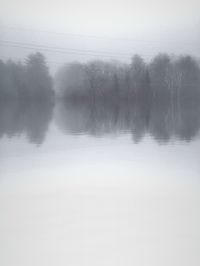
113	29
104	171
80	200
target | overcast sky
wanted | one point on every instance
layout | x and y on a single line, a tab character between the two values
171	26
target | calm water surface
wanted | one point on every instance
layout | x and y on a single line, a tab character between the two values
82	187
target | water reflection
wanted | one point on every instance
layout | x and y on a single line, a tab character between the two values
163	123
30	118
100	119
26	98
161	99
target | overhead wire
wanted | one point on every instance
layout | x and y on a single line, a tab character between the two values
92	36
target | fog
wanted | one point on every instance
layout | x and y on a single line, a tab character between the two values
160	98
99	132
111	29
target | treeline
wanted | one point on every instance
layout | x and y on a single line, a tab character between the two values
26	81
165	80
161	98
26	98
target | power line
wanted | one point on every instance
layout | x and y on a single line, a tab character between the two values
63	50
54	48
92	36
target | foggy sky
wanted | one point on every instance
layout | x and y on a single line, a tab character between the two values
146	27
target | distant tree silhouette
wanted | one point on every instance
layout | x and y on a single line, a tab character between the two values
161	98
38	80
138	75
26	81
26	98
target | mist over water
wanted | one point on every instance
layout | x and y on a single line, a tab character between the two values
102	120
100	166
99	133
160	99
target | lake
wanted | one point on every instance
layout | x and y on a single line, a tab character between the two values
82	185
